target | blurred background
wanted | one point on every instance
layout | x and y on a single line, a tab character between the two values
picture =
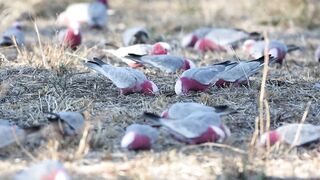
186	13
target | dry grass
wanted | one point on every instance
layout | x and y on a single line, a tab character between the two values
28	89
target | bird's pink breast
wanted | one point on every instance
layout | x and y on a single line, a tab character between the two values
157	49
186	65
208	136
72	40
140	142
274	137
191	84
146	88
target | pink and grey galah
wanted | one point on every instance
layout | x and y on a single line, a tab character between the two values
166	63
135	35
317	54
128	80
293	134
71	37
223	39
183	109
139	137
221	74
198	79
68	123
140	50
10	133
197	128
190	39
45	170
94	14
277	49
13	33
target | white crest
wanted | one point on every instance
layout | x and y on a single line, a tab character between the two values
155	89
220	133
127	139
191	63
178	87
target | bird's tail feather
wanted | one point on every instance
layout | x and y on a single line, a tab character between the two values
96	64
134	57
224	110
5	41
154	117
292	47
32	129
261	59
55	118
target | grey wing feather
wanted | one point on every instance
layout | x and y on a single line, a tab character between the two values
167	63
202	32
182	110
226	36
74	120
124	77
193	125
120	76
204	75
308	133
242	70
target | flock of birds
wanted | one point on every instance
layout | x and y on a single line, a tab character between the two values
191	122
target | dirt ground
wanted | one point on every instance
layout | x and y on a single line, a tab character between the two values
28	89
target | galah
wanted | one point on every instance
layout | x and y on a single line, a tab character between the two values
10	132
139	137
135	35
183	109
221	74
94	14
287	134
45	170
128	80
15	31
71	37
317	54
199	79
276	48
190	39
223	39
239	74
68	123
166	63
197	128
141	50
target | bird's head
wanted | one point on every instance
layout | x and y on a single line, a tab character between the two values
149	88
247	45
72	38
184	85
135	141
272	136
189	40
160	48
188	64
